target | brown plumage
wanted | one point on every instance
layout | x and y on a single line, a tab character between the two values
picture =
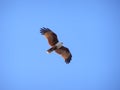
56	45
51	36
65	53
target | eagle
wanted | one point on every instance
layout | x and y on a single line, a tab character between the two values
56	45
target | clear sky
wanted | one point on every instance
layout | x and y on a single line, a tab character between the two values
89	28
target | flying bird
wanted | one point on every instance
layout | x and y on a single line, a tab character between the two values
56	45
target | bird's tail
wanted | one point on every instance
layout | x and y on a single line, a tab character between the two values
51	49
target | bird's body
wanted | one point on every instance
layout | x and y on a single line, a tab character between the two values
59	45
56	45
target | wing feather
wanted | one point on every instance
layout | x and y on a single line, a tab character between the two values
50	35
65	53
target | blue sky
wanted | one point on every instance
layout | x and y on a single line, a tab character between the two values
91	30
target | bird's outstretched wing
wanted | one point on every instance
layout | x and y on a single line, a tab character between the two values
50	35
65	53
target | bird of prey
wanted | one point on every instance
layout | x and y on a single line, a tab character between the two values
56	45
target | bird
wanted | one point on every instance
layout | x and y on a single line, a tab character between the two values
56	45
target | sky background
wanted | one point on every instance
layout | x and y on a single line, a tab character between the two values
89	28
